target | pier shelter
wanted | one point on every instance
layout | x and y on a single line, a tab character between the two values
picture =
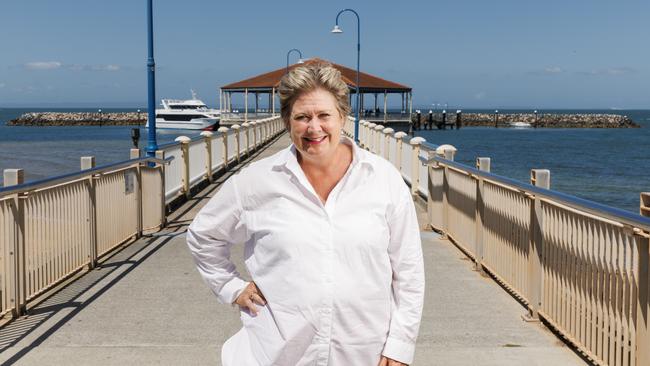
370	86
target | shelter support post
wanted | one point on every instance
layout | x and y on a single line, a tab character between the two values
245	105
375	110
385	106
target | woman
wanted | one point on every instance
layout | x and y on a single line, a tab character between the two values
331	243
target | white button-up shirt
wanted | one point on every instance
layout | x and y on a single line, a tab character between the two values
344	280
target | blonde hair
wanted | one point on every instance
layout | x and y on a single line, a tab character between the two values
310	77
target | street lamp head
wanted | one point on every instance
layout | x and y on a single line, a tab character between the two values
336	29
301	61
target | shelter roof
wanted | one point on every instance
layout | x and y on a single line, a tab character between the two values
367	83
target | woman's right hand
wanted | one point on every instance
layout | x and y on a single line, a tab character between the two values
249	297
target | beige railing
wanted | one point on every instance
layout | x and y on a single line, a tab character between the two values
581	267
198	159
52	229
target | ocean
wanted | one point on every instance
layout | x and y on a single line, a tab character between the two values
609	166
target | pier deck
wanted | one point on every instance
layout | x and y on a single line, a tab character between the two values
147	305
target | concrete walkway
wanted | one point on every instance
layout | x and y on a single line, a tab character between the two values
146	305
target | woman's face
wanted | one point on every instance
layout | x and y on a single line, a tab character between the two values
315	125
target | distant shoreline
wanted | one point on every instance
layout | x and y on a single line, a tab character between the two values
551	120
544	120
79	119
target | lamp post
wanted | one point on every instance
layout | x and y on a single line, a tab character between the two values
300	61
337	30
100	117
152	146
535	118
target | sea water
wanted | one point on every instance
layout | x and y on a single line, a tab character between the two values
609	166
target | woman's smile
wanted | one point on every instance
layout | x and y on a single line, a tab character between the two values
315	140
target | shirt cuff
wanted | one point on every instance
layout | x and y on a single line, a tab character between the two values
231	290
399	350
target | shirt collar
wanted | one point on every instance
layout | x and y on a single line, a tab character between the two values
289	156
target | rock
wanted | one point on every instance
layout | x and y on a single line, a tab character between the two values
79	119
547	120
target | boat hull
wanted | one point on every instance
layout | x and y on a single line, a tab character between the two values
195	124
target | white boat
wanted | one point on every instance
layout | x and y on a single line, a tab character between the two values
191	114
519	124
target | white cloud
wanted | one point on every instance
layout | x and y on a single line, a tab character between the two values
553	70
480	95
43	65
77	67
550	70
54	65
105	67
615	71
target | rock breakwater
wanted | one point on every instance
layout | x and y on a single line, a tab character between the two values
79	119
550	120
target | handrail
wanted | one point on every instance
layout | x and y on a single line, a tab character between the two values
591	207
51	181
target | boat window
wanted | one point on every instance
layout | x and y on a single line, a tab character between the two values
182	107
180	117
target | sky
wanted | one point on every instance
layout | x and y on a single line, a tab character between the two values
468	54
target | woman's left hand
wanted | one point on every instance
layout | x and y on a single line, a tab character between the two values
385	361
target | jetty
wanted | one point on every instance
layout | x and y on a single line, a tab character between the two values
80	119
443	120
95	268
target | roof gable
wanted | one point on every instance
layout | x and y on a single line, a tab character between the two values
367	82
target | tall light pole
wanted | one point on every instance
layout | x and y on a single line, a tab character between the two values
338	30
299	59
152	146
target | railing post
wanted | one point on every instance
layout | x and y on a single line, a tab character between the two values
247	137
483	164
237	151
160	154
366	136
448	152
135	154
185	152
264	132
88	162
539	178
429	168
399	148
371	136
207	139
16	253
643	299
255	128
377	141
415	164
388	133
362	123
644	204
224	138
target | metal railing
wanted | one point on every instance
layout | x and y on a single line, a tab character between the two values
201	157
581	266
53	228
